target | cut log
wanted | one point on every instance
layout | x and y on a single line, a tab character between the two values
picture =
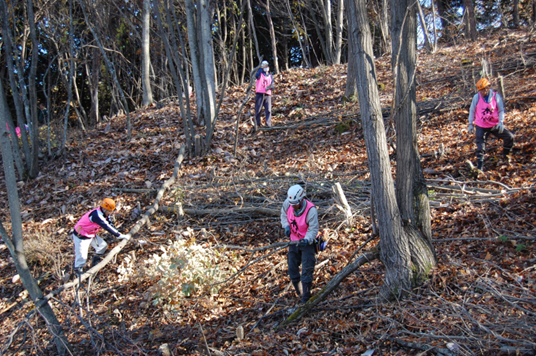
341	203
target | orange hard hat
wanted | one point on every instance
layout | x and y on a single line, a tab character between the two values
482	84
108	204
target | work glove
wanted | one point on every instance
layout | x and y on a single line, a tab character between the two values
303	243
287	231
123	237
500	127
471	129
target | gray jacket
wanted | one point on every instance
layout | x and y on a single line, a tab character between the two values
312	220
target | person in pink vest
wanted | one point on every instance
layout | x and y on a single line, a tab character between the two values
85	234
263	94
299	218
487	113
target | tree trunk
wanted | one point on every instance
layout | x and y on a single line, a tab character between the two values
146	54
93	75
15	245
273	41
339	24
19	109
326	14
471	22
384	25
516	13
110	68
34	128
411	190
325	49
207	58
427	42
394	244
351	81
304	53
442	11
195	58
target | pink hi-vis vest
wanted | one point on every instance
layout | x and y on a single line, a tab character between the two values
86	227
298	225
262	83
486	114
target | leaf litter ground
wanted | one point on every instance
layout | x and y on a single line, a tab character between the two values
480	299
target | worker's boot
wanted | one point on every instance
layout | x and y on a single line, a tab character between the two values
298	287
480	164
95	260
79	271
306	292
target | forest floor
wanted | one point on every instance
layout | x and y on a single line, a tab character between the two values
479	300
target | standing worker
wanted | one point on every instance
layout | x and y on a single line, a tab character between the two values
263	96
299	218
85	234
487	111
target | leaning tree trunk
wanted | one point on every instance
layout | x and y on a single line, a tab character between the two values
394	244
411	190
15	245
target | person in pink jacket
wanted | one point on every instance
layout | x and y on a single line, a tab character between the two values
85	234
487	114
263	94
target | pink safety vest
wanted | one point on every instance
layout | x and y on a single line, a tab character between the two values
262	83
486	114
298	225
86	227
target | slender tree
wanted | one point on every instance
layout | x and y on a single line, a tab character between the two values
146	54
15	242
471	22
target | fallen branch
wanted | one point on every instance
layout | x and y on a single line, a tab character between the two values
214	212
330	287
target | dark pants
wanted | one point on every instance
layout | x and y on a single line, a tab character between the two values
266	101
304	256
482	136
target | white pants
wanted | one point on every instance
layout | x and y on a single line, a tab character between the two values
81	249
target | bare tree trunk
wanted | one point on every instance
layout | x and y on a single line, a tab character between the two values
534	13
384	25
394	244
351	80
195	58
34	129
146	54
326	14
434	23
319	33
186	116
271	29
251	30
111	69
471	22
516	13
411	190
339	24
427	42
207	58
19	109
304	54
15	245
93	75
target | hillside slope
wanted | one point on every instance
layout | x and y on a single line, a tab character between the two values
480	299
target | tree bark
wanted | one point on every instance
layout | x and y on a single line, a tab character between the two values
427	42
15	244
339	24
351	80
471	22
146	54
394	244
411	190
516	13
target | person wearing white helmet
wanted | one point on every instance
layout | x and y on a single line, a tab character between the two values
263	94
299	218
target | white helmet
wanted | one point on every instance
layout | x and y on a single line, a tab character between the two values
295	194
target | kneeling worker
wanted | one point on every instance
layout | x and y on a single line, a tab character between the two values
85	234
299	218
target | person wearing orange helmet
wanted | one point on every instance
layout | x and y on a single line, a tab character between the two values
85	234
487	114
